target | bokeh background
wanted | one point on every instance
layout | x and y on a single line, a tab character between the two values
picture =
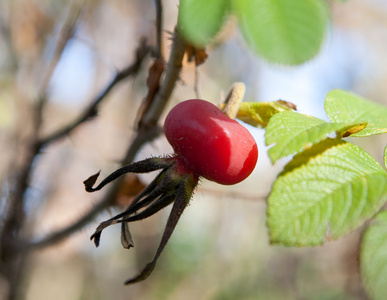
220	248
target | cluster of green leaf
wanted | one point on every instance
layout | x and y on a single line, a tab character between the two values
282	31
330	187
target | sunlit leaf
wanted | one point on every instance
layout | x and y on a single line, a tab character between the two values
283	31
342	106
373	257
200	20
259	113
325	194
293	132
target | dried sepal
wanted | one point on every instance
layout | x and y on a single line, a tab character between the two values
287	104
89	182
126	236
144	166
183	196
97	234
157	195
174	184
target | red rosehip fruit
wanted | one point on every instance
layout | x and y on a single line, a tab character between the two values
210	144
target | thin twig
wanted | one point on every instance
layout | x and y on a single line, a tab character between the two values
91	110
159	29
66	33
12	59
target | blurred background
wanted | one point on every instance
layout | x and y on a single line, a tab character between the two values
220	248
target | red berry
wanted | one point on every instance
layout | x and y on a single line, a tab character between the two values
211	144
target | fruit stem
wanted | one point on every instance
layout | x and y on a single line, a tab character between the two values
234	99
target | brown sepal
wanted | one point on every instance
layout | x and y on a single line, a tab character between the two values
199	55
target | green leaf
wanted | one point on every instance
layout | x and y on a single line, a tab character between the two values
283	31
342	106
385	157
325	194
200	20
259	113
293	132
373	257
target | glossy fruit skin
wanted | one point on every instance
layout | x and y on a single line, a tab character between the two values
209	143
